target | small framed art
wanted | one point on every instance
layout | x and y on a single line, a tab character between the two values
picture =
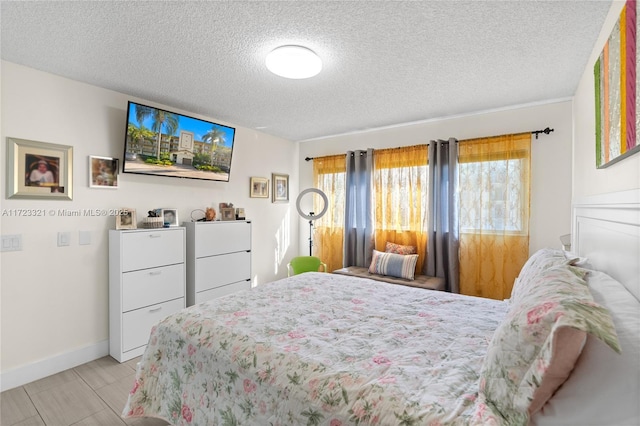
170	217
259	187
228	213
39	170
103	172
126	219
280	189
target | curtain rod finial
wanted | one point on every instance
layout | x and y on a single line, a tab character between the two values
546	131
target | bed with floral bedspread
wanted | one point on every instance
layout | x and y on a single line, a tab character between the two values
320	349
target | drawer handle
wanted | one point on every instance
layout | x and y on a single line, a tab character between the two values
155	272
155	236
155	309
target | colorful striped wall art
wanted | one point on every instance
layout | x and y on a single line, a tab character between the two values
616	83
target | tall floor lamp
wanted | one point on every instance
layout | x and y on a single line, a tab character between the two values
311	216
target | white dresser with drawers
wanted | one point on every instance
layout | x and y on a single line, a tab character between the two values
218	259
146	283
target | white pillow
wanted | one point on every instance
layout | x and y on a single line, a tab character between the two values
604	387
575	260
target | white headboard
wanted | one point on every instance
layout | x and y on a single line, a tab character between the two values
606	230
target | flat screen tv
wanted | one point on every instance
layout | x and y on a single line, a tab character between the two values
165	143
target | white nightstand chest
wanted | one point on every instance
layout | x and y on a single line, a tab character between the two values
218	259
146	283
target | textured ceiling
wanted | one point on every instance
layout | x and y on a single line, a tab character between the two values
385	63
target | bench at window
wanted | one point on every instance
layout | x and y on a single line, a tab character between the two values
420	281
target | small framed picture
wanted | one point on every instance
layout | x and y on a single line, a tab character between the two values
103	172
240	214
259	187
126	219
280	188
170	217
228	213
39	170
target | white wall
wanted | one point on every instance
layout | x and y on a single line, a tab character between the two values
587	180
551	158
54	299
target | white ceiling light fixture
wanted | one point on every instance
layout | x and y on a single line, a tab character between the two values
294	62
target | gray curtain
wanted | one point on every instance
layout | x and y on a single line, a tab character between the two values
358	215
443	234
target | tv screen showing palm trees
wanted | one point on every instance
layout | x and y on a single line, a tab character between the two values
164	143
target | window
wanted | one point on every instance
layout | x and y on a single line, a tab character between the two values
333	185
401	197
494	213
493	194
400	192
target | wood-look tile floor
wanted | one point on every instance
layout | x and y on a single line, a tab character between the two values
92	394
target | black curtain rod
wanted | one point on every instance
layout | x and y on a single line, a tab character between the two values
546	131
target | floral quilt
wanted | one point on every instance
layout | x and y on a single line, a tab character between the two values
320	349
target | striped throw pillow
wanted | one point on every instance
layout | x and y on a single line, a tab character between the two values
393	265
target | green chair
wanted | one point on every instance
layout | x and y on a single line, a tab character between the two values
301	264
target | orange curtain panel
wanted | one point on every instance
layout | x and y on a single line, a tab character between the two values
400	194
494	213
329	176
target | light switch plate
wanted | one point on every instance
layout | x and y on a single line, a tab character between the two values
12	242
84	238
64	239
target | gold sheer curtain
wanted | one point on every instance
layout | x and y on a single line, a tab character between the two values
329	176
400	198
494	213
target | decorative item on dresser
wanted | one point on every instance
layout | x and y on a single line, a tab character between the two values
209	214
146	283
170	217
228	213
218	259
126	219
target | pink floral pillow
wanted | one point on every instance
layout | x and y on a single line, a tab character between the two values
535	348
399	249
539	261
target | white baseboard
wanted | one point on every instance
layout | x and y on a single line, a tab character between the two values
40	369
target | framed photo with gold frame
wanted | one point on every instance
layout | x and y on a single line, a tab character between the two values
280	188
39	170
259	187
